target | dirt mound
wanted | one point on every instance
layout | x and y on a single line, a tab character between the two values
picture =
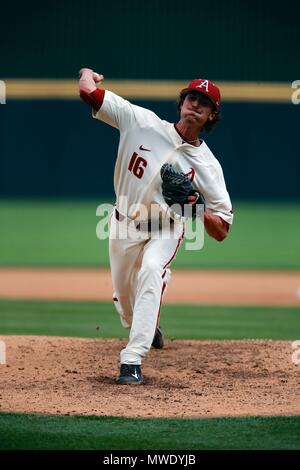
186	379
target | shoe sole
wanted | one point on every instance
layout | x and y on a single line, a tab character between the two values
128	382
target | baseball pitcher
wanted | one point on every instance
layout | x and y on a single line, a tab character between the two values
159	166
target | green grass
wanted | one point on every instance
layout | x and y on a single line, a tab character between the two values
100	320
59	233
20	431
44	233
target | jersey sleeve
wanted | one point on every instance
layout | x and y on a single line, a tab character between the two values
216	195
120	113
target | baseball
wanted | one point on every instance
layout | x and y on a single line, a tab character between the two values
97	78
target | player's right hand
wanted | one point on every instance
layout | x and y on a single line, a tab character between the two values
87	73
98	77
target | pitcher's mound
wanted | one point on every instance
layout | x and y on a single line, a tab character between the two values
186	379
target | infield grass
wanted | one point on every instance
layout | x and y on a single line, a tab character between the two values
22	431
63	233
100	320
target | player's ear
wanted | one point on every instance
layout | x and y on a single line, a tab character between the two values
212	115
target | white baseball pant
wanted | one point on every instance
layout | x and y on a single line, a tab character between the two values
140	273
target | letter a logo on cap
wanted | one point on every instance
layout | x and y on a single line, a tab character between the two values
207	87
204	84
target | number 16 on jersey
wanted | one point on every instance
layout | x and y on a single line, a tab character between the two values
137	165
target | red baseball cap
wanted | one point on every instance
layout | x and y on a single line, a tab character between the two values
207	87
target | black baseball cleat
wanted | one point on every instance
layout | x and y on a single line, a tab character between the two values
130	374
158	340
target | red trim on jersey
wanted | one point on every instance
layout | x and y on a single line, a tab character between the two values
94	99
177	247
184	141
164	274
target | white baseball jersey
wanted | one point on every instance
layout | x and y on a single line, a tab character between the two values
146	143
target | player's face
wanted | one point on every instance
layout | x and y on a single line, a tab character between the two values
197	109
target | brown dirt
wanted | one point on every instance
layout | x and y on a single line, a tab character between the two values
190	287
186	379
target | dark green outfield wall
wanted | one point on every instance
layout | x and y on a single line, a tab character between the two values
54	148
249	40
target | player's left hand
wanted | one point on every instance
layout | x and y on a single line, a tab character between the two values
177	189
193	199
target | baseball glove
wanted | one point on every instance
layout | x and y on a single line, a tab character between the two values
176	188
